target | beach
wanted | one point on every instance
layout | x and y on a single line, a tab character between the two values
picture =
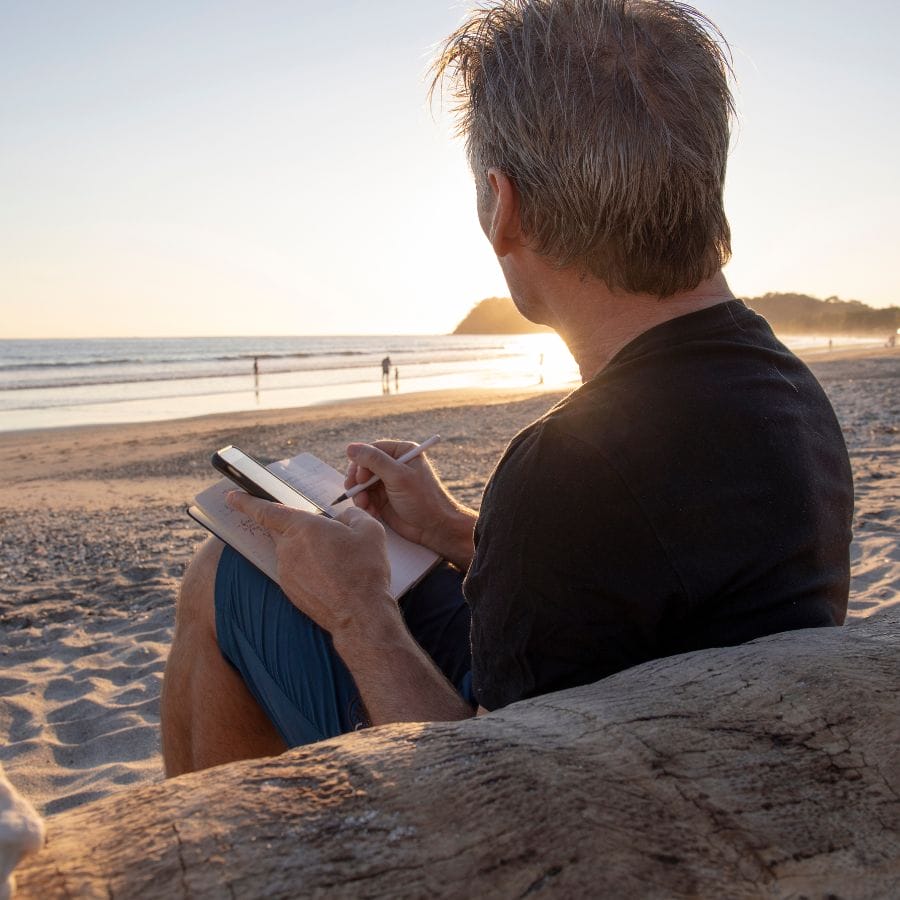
95	539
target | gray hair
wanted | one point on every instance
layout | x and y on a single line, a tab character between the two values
612	118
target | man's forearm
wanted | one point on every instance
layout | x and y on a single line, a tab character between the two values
397	680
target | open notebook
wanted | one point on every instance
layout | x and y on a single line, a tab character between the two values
318	481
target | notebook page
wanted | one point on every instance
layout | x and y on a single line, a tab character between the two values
313	478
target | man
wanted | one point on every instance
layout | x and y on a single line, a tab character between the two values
694	492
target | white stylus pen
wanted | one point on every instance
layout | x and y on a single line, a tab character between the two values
410	454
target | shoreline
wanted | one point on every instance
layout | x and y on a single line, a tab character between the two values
405	402
95	541
811	355
52	448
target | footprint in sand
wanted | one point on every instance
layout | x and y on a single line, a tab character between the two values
130	743
67	688
10	686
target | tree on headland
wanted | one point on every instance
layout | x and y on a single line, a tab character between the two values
497	315
800	313
787	314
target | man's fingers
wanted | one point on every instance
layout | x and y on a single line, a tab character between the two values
278	519
272	516
357	520
376	461
395	449
351	515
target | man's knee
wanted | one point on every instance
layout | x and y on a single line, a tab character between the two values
196	600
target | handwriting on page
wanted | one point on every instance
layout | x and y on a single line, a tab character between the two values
252	529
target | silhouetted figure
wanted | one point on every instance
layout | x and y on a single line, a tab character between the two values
830	344
386	373
256	377
396	378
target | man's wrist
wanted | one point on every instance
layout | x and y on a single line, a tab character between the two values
397	680
383	627
456	542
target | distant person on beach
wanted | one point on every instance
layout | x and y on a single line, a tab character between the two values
386	372
256	377
396	378
694	492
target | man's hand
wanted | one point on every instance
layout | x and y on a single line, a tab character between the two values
337	572
334	570
411	499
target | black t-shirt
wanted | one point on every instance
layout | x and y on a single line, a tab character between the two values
695	493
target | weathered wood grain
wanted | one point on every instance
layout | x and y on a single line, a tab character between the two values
769	769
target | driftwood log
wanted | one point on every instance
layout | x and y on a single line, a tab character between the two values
770	769
21	832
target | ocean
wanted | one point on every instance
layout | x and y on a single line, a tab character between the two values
53	383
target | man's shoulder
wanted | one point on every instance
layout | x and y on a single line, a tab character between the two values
686	373
717	376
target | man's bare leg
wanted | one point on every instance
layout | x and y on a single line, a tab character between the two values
208	716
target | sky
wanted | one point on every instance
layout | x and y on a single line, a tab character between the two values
185	167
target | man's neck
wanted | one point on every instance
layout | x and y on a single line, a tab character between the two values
596	323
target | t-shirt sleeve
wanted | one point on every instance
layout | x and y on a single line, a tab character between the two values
569	582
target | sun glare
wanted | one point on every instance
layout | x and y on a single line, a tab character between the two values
552	359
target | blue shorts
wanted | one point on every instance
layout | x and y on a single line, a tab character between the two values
289	663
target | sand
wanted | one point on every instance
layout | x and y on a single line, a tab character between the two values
95	539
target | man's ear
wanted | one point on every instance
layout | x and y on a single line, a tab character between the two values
504	229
